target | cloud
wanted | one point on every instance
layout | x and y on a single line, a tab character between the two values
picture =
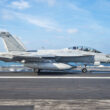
85	19
2	29
72	31
77	8
48	24
21	4
6	15
49	2
38	22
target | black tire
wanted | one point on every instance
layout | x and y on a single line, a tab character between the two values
37	71
84	70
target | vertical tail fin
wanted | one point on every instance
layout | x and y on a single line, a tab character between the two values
11	43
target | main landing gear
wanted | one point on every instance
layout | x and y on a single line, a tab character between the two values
37	71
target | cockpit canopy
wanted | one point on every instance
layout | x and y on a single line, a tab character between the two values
83	48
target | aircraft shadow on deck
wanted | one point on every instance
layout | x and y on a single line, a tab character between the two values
55	73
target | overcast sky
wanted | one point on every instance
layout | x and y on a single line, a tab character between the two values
57	23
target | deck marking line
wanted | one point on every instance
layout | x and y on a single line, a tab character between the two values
45	77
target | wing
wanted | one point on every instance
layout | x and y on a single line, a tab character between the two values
37	58
63	59
80	59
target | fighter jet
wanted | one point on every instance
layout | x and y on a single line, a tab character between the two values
58	59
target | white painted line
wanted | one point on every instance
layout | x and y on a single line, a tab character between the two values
44	77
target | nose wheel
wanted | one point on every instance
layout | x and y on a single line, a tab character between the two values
84	70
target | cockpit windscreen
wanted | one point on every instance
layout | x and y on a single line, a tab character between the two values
83	48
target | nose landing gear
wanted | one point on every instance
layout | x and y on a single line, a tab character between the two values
84	70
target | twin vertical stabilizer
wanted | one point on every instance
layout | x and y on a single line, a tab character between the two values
12	43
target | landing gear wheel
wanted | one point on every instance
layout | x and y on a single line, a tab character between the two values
37	71
84	70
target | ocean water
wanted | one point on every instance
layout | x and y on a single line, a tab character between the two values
13	63
8	63
82	64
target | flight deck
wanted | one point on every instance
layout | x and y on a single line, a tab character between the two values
54	90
